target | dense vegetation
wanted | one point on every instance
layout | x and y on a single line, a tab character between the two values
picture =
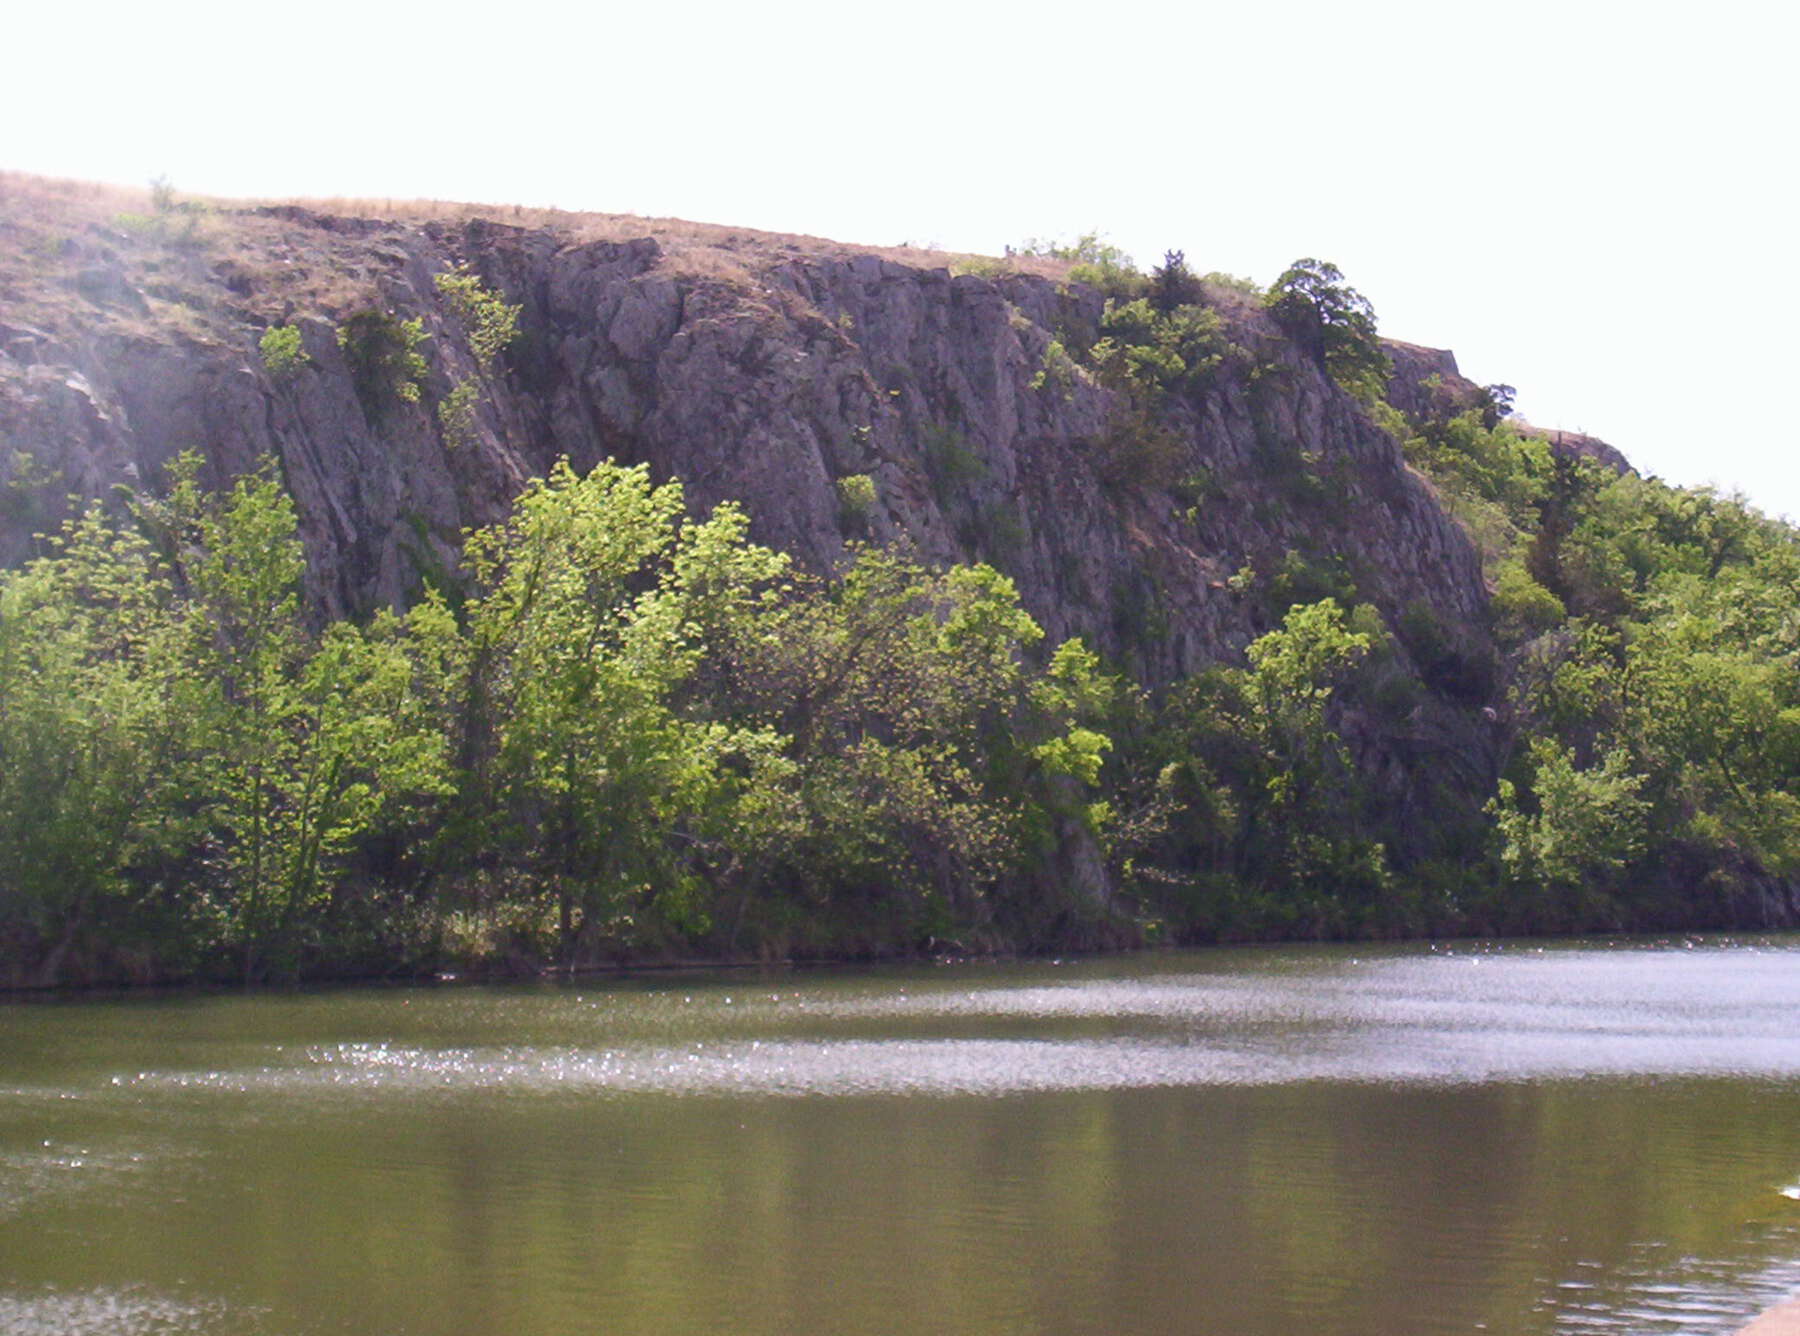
636	733
626	732
1640	751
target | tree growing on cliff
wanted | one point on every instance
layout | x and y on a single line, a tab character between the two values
1172	283
491	325
1332	321
386	366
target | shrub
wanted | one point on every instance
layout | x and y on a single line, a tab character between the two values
489	322
456	413
1149	351
491	326
1588	826
1097	262
1522	607
282	354
952	462
1245	287
1449	663
1300	578
1139	451
385	363
1057	369
983	266
856	502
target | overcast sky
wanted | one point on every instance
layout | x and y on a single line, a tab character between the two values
1583	200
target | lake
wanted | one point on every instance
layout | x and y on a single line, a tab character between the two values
1379	1141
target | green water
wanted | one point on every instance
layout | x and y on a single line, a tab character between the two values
1391	1141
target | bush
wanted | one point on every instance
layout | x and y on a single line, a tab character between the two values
1057	369
1301	579
1521	607
856	502
385	363
1579	826
1449	663
1139	451
983	266
282	354
1150	351
953	463
1244	287
491	326
1097	262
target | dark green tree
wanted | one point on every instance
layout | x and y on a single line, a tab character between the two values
1333	322
1172	284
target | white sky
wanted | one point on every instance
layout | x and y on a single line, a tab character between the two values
1584	200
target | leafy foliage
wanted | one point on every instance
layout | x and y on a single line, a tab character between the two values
645	731
1157	351
282	352
1588	826
1332	321
1172	284
491	326
1097	262
488	322
856	502
386	366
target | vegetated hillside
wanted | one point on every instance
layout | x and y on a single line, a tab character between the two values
1375	653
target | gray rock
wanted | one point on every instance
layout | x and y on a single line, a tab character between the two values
764	392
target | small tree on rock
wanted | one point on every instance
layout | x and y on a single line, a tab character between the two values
1332	321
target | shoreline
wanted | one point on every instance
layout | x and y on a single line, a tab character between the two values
455	975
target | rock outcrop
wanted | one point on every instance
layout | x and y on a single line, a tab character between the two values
765	383
761	370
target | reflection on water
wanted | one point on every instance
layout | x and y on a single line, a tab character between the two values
117	1312
1331	1140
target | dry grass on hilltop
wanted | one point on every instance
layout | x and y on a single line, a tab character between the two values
38	216
678	236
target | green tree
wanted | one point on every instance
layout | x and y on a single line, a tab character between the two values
1172	283
590	603
1334	323
1573	833
302	743
929	767
1266	831
94	721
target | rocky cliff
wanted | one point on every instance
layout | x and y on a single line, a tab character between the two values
757	369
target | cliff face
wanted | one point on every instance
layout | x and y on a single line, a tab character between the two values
765	382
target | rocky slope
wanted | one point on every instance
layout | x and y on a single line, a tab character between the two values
119	348
763	370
